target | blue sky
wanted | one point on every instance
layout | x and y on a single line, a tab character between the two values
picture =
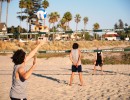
104	12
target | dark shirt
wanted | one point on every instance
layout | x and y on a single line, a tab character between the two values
99	58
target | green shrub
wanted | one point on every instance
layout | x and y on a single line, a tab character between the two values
86	61
126	58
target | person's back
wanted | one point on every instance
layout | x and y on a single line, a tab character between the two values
75	56
18	89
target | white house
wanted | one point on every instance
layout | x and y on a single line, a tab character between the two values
3	28
111	36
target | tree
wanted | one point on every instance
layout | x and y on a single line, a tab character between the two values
126	25
121	24
77	20
116	26
96	26
53	17
8	2
68	17
85	19
45	4
12	29
87	36
62	22
21	5
1	3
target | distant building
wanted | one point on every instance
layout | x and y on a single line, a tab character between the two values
3	28
111	36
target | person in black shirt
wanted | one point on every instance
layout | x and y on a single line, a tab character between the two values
98	61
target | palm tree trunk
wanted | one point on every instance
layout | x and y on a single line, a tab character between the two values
68	25
7	16
20	25
84	30
96	36
27	28
76	30
30	29
53	33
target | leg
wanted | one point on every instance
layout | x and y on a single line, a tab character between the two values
71	78
94	70
81	78
101	70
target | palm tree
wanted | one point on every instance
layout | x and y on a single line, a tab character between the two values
77	20
1	3
96	26
21	5
68	17
29	6
53	17
126	25
62	22
45	5
85	23
8	2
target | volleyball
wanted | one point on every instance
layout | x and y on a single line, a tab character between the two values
41	14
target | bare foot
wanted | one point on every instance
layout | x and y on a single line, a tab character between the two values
70	84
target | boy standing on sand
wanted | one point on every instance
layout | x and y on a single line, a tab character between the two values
75	57
20	75
98	61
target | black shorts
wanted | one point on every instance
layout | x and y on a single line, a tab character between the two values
75	69
99	63
16	99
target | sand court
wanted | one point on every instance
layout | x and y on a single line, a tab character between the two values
50	81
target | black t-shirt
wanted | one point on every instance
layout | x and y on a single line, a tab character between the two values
99	58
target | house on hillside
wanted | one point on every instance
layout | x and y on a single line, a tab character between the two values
3	28
111	36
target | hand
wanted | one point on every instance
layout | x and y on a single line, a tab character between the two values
77	64
74	64
42	41
94	62
34	60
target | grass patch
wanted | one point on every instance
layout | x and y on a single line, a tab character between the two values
86	61
52	55
3	54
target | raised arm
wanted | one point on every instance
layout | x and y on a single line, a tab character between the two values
26	74
32	53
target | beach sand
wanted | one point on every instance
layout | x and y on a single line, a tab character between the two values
50	81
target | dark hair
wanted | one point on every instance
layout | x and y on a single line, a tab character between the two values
75	46
18	57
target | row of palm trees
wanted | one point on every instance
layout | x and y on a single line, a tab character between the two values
53	17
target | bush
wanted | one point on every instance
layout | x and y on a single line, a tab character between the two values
126	58
86	61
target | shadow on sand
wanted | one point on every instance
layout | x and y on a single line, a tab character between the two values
50	78
110	72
